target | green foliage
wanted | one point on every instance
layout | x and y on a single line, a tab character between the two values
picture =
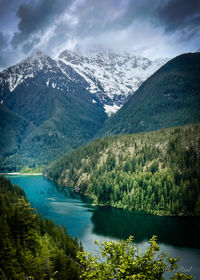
39	249
42	123
29	170
29	245
156	172
123	260
170	97
13	130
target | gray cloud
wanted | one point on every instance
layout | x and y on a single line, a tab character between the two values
6	56
172	15
105	16
3	46
152	28
6	5
178	14
35	17
100	16
3	41
29	46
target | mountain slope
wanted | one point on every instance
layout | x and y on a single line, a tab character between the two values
64	101
156	172
38	66
31	245
63	113
111	77
170	97
13	130
72	122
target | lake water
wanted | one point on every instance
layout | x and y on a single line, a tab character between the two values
179	236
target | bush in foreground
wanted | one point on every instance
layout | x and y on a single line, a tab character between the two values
122	260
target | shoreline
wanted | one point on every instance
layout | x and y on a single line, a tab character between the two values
23	174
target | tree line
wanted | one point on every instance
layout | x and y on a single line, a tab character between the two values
33	248
30	247
156	172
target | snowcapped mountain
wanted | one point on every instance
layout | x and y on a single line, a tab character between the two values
110	78
44	113
61	103
38	66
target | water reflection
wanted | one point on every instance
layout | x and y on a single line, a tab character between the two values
116	223
88	222
77	214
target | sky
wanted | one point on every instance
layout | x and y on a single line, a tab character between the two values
151	28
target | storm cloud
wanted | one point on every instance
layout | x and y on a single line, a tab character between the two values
151	28
179	14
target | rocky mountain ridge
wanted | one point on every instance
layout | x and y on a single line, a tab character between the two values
110	78
170	97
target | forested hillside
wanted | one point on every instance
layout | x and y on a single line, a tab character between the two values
30	246
35	249
13	130
43	113
157	172
170	97
59	122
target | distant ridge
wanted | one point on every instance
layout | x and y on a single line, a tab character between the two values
170	97
54	106
43	113
110	76
156	172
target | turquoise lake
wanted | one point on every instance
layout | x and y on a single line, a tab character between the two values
179	236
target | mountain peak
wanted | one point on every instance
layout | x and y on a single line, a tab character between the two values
38	64
100	50
38	56
70	56
170	97
111	77
38	53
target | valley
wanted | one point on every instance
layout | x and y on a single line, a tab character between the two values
58	105
156	172
170	97
99	140
89	223
134	171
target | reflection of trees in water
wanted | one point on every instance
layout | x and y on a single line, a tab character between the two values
69	192
117	223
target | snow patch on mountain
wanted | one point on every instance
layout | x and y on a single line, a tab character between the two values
110	77
39	68
111	109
